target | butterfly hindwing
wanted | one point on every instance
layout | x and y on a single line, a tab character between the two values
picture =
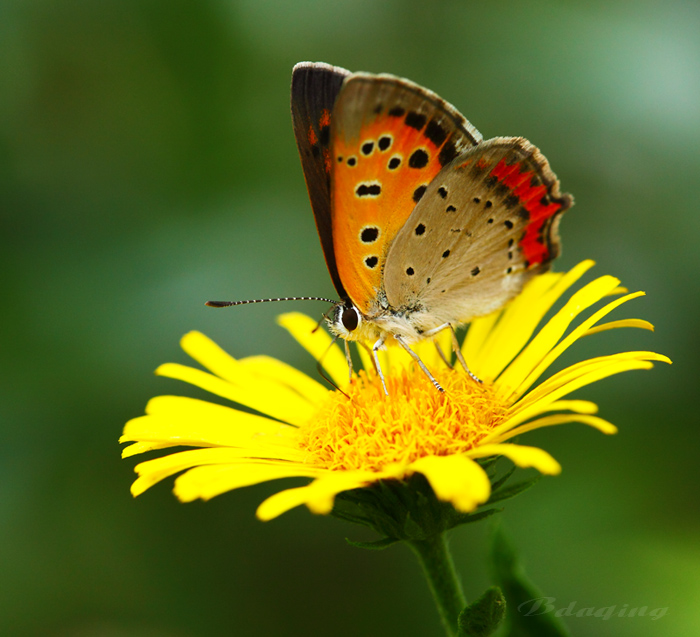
389	139
486	224
315	87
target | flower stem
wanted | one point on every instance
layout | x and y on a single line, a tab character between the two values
439	568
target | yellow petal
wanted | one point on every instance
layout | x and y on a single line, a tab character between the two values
208	354
549	335
613	325
250	372
521	317
269	368
581	374
153	471
188	421
318	343
571	338
556	419
272	400
456	479
524	457
539	407
207	482
317	496
477	334
142	447
518	321
396	357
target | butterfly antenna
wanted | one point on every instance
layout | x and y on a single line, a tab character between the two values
280	298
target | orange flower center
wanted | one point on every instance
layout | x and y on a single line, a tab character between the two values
369	430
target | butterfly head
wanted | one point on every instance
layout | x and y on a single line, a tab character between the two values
345	321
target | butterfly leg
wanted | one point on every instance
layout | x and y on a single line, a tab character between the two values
458	352
416	358
348	358
433	332
442	355
376	347
378	367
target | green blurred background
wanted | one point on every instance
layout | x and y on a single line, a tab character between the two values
147	164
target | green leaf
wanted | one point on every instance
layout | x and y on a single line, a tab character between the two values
378	545
529	610
513	490
348	517
495	486
483	616
476	517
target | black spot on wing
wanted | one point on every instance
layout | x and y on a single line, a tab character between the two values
435	132
368	190
384	142
419	192
419	159
369	235
367	148
501	190
394	163
371	262
397	111
447	153
420	229
511	201
415	120
442	191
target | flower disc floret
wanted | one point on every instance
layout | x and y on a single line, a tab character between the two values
367	431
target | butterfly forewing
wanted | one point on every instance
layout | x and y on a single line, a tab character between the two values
487	223
389	139
315	87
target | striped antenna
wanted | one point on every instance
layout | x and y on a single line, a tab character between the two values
282	298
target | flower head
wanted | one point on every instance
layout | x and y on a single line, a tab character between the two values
346	441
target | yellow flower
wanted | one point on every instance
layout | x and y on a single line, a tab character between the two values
352	440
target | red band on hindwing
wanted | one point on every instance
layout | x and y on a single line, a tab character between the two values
533	199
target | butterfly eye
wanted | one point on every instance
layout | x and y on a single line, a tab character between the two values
350	318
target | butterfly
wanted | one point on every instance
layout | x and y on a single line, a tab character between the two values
423	224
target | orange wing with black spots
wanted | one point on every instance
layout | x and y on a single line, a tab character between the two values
389	139
315	87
